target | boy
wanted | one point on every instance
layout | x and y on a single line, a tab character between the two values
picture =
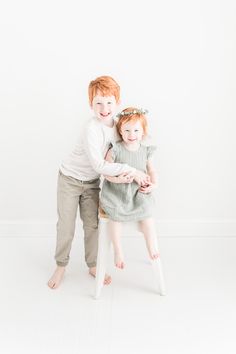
78	180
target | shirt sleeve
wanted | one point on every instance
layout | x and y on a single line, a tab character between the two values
94	145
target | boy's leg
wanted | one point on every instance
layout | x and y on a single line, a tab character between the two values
114	228
68	193
149	231
89	202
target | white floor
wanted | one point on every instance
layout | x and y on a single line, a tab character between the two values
198	315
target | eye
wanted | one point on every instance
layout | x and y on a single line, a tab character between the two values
136	130
109	102
127	130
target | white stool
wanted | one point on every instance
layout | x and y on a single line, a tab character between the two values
104	244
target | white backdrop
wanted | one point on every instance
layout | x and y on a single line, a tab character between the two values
176	58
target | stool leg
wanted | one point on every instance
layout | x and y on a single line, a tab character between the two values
157	268
104	243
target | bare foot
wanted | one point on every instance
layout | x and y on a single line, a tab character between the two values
152	250
107	279
154	255
57	277
119	260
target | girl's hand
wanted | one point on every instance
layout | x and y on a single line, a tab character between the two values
141	178
147	188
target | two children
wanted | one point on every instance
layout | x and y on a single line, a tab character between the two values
130	202
78	179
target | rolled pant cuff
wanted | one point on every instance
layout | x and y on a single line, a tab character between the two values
91	265
61	264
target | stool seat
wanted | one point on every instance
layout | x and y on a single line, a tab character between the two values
102	213
104	245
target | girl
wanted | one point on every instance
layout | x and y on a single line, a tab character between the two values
130	201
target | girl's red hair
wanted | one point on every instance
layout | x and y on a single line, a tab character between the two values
132	117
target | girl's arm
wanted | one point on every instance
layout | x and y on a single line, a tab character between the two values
153	179
151	172
123	178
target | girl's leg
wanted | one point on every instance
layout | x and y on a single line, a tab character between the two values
147	227
114	228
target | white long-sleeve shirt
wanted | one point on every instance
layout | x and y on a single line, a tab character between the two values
86	161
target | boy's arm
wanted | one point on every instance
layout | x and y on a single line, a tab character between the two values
93	146
123	178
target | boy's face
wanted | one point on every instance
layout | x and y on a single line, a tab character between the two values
104	107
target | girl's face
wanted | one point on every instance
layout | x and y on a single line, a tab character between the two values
132	132
104	107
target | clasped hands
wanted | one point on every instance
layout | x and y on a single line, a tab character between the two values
141	178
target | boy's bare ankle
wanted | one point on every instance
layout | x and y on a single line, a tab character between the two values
57	277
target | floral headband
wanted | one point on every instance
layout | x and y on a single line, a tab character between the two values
135	111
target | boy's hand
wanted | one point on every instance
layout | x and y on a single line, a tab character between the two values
125	178
147	188
141	178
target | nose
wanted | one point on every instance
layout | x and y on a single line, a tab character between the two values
104	108
131	135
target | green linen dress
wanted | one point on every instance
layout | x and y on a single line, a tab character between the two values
123	201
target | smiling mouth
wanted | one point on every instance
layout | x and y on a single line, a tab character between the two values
132	139
104	115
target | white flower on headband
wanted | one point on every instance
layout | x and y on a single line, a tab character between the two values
135	111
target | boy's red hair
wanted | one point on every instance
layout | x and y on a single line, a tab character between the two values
106	86
132	117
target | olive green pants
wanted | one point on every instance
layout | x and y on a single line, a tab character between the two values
72	193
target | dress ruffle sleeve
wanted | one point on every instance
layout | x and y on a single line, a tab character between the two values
150	150
114	148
